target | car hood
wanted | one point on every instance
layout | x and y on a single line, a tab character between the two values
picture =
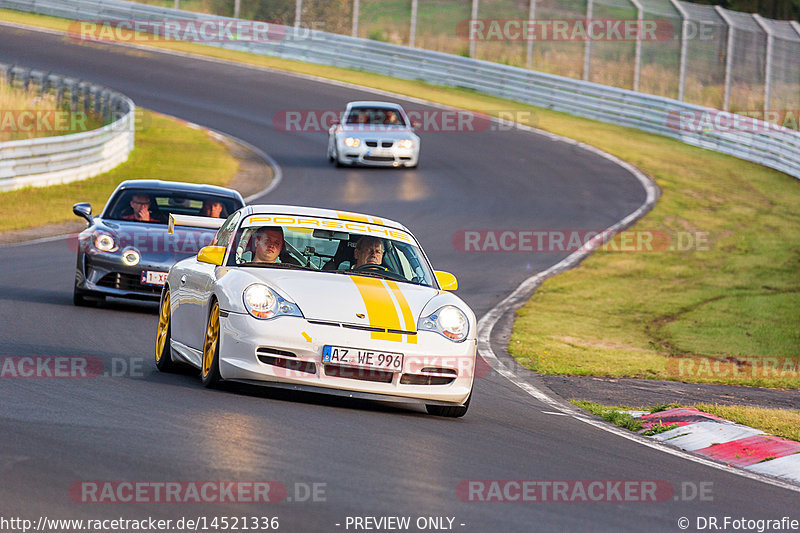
350	299
383	132
154	242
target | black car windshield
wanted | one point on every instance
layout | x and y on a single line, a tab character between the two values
375	116
375	251
155	205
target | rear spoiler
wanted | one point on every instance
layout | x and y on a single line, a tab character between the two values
195	222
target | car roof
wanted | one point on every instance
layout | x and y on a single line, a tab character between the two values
180	186
276	209
374	103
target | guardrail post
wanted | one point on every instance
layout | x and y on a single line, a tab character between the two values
472	42
236	6
529	50
768	62
177	4
412	32
728	57
637	65
684	45
587	49
356	11
298	13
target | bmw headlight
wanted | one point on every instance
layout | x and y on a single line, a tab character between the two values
352	142
449	321
105	242
405	144
262	302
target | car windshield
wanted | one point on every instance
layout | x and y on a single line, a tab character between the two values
368	250
155	205
375	116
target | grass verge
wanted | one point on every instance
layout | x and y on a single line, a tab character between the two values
718	303
779	422
165	149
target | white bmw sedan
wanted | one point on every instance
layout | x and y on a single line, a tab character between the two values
373	133
323	301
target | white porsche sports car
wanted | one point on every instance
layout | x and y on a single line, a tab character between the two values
373	133
319	300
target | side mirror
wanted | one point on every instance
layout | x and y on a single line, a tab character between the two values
447	281
83	210
335	122
213	255
416	124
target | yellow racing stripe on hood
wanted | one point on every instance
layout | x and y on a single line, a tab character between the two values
408	318
380	308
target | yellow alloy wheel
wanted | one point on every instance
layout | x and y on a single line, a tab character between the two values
162	334
211	342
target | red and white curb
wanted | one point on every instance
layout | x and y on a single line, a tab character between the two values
728	442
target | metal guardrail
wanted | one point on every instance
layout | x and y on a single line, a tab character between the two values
51	160
754	140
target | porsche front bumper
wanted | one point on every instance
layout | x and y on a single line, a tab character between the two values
287	351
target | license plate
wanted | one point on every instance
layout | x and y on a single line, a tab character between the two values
342	355
150	277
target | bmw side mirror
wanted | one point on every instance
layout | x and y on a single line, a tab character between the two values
83	210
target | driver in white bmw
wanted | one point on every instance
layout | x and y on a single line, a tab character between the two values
369	251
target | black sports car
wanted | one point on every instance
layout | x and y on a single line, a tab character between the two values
126	251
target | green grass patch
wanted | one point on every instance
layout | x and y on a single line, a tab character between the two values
165	149
783	423
611	414
722	295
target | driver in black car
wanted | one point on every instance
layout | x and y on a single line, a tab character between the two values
369	251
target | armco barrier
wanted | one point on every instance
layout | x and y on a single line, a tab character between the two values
61	159
775	147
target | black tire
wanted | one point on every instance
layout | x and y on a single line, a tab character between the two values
164	362
209	371
449	411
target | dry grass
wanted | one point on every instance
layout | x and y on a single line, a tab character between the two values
29	115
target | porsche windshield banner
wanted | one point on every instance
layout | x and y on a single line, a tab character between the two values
364	225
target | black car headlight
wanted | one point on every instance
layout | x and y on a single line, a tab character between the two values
449	321
264	303
104	241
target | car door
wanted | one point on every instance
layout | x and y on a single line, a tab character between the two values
196	285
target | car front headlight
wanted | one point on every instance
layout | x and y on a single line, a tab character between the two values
406	144
449	321
352	142
264	303
104	241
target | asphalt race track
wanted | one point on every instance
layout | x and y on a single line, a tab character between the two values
366	458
